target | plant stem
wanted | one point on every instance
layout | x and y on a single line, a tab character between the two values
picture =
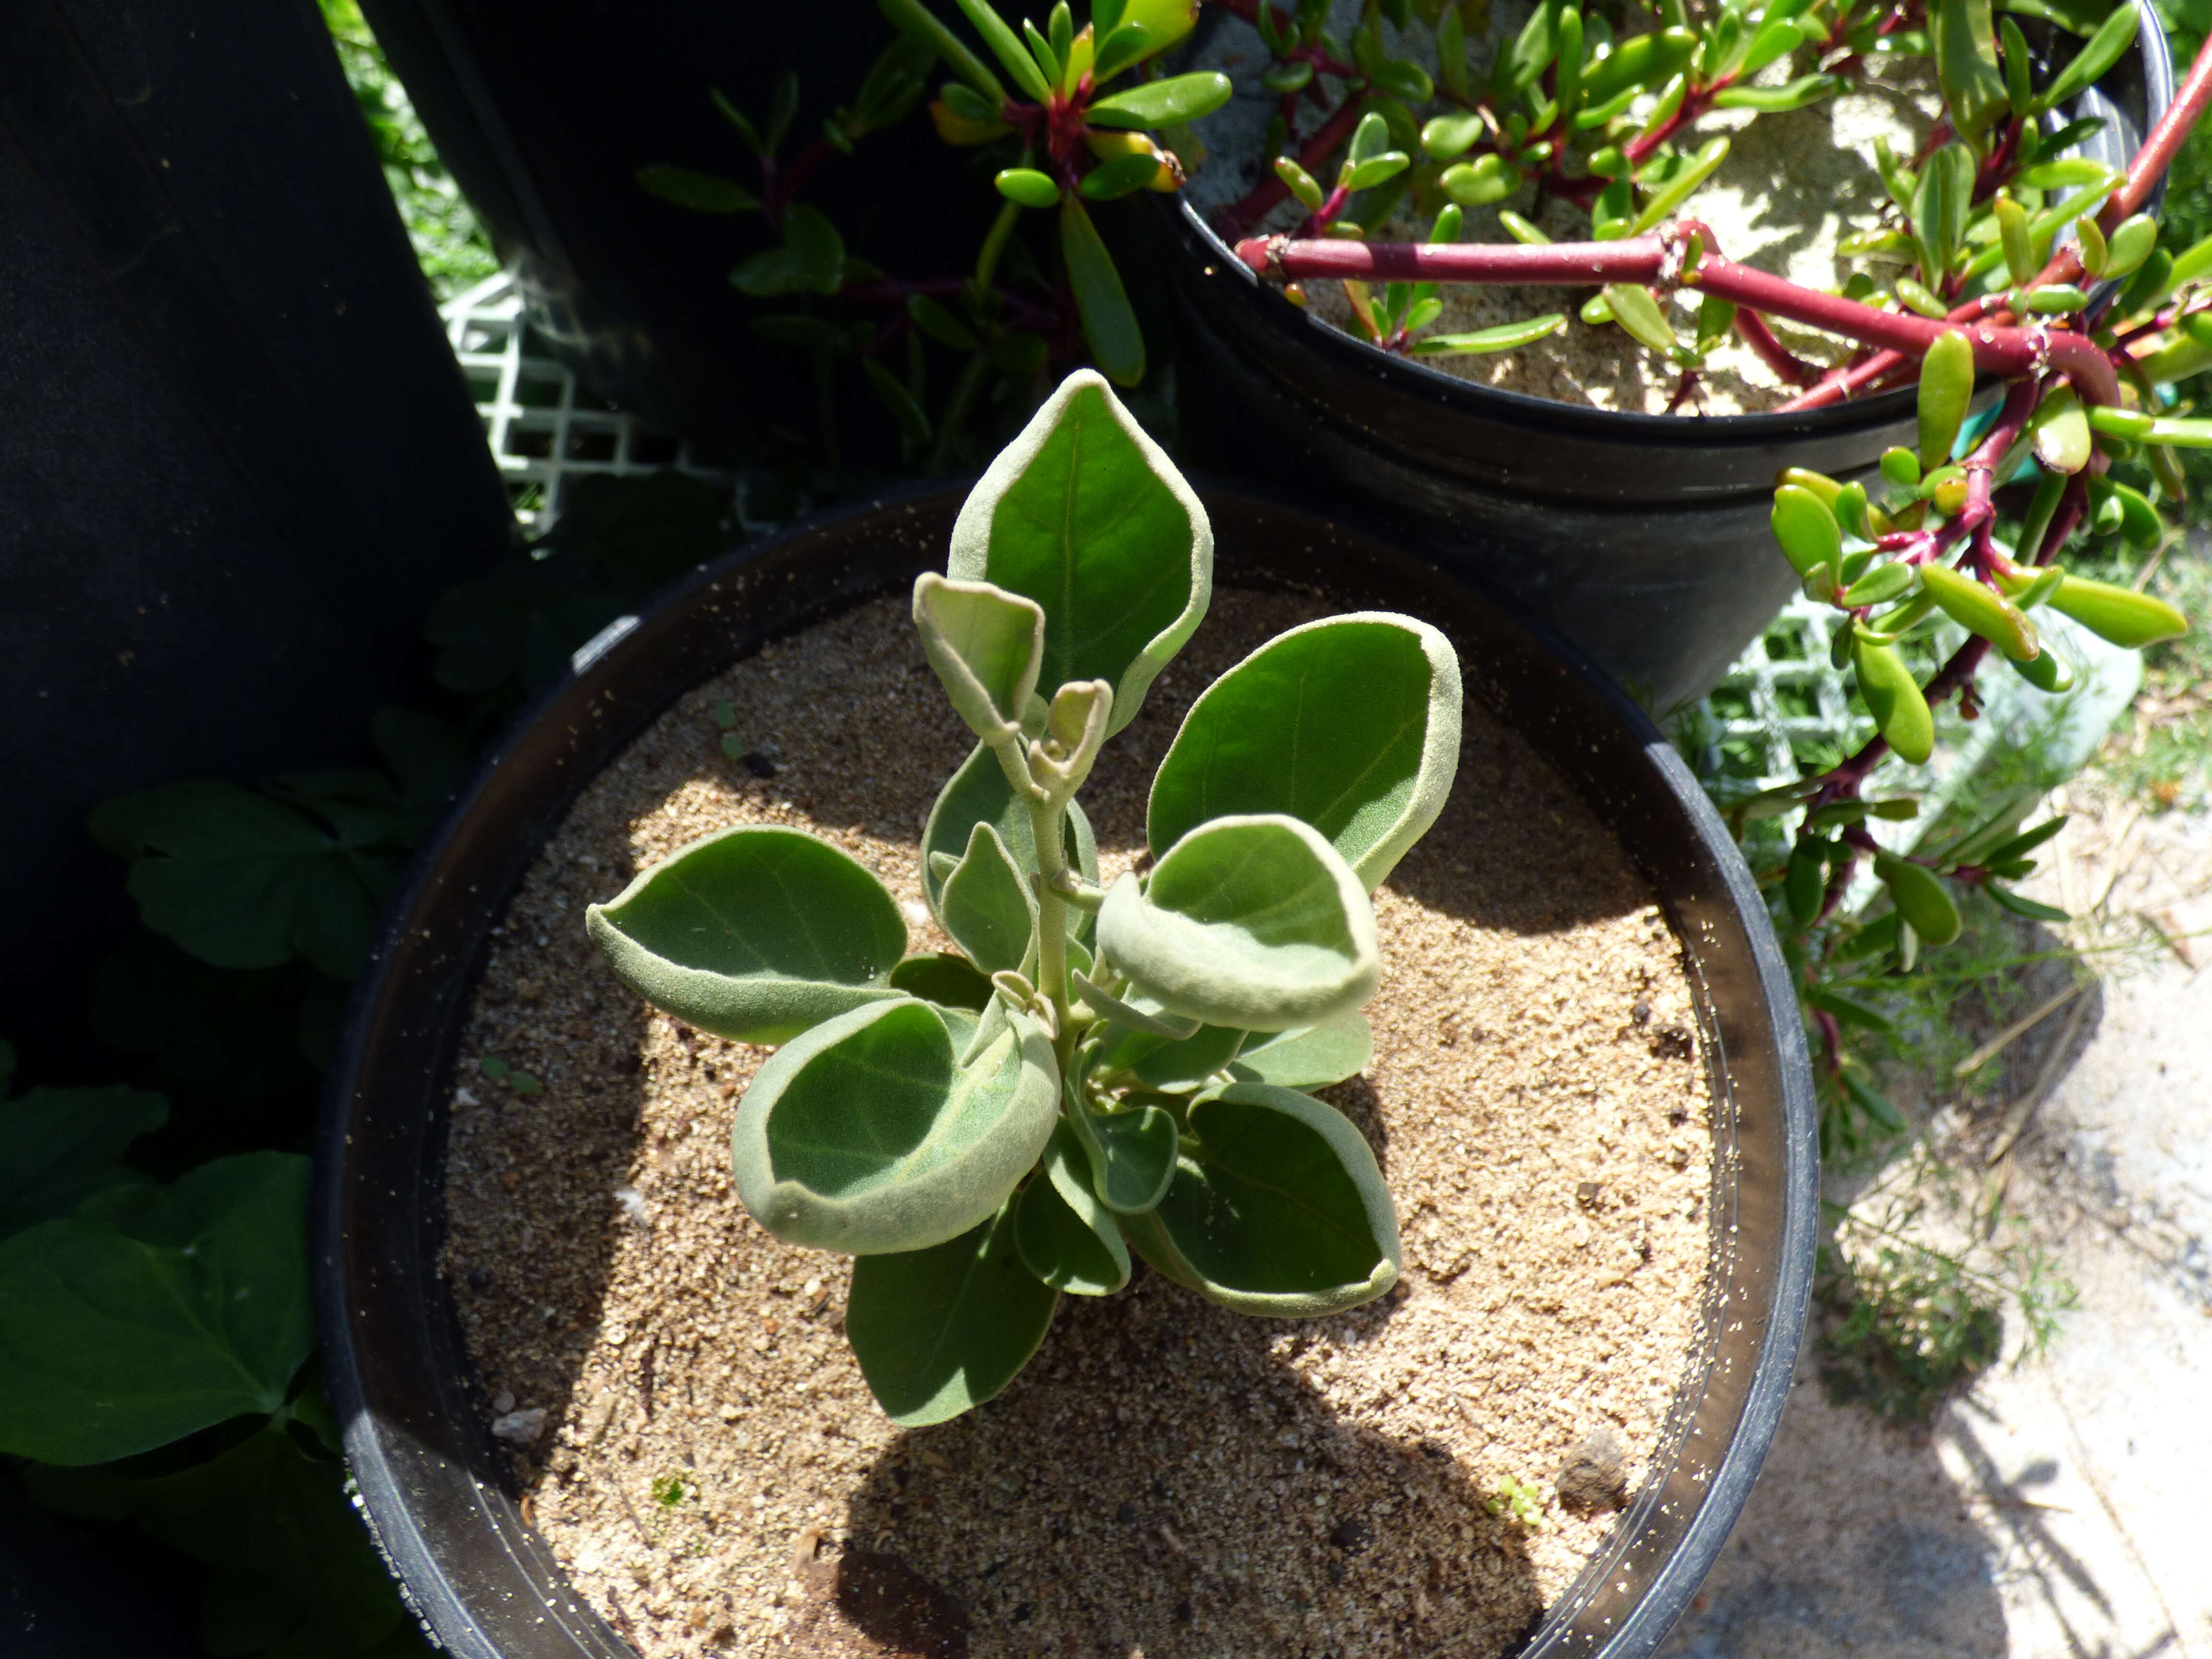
1046	817
1335	131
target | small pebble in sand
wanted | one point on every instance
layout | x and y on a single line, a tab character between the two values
1593	1476
521	1428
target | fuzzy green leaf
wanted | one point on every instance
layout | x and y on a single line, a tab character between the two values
754	933
986	646
1138	1015
944	978
988	908
1311	1057
980	793
154	1313
1277	1208
1067	1238
1083	514
939	1331
1256	923
1171	1065
1351	724
867	1135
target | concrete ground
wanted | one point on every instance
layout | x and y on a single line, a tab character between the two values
2059	1510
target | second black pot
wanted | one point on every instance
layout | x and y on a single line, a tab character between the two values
1642	538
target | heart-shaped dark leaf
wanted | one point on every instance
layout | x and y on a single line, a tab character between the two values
1254	922
980	793
1312	1058
1351	724
754	934
867	1134
153	1313
939	1331
243	881
57	1145
296	1572
1278	1210
1083	514
1067	1238
988	906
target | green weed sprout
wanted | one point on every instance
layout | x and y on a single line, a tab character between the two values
1094	1070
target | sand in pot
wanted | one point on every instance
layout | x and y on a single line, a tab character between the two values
1166	1478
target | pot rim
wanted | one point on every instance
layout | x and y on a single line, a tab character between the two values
415	1549
1202	243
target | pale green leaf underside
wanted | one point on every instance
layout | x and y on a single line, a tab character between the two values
1067	1238
1281	1209
1170	1066
754	934
863	1135
986	645
938	1332
979	793
1131	1151
1351	724
1135	1015
988	908
1083	514
1255	923
1312	1058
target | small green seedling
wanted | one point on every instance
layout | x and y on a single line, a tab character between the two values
1096	1069
1521	1499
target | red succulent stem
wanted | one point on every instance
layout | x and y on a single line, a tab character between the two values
1314	152
1792	369
1658	257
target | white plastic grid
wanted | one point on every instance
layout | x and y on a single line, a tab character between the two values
543	429
1783	697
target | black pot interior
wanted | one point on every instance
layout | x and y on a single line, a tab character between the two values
435	1486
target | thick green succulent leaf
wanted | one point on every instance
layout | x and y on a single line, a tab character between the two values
948	980
1919	896
1277	1208
1131	1150
1256	923
867	1134
1168	103
941	1330
1109	322
153	1313
2119	614
1083	514
755	933
979	793
1171	1065
57	1145
988	905
1067	1238
1312	1058
986	646
1351	724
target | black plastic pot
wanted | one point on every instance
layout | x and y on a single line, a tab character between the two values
1642	538
435	1486
237	456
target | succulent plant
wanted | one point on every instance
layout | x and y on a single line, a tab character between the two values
1094	1070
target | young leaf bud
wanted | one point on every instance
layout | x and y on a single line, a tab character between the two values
1027	186
1901	467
